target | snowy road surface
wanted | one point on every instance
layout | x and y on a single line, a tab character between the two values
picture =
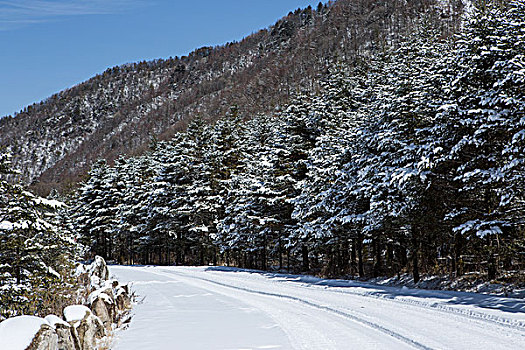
223	308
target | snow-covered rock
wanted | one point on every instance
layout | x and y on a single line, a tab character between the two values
99	268
66	335
76	313
54	320
36	333
122	298
88	328
45	339
103	293
82	326
102	304
17	333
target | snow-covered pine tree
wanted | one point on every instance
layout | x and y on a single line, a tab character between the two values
203	190
250	226
406	203
134	176
321	196
485	108
166	211
35	250
223	158
95	209
302	126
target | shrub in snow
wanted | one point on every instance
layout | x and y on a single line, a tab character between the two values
122	298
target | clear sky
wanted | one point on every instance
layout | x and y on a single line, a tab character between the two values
49	45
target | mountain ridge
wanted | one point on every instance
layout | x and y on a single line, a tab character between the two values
117	112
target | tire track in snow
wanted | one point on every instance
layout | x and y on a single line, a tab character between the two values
344	314
466	314
448	310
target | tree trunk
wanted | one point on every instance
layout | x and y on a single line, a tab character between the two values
17	267
201	254
458	251
390	256
345	258
306	261
264	259
492	268
288	259
353	258
178	249
110	247
415	266
361	269
331	262
377	253
280	253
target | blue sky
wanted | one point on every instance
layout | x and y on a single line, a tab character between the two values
49	45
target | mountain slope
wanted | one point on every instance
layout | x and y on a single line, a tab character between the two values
117	112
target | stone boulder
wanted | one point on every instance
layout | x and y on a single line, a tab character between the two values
88	327
102	304
95	274
45	339
67	339
123	300
36	333
99	268
19	333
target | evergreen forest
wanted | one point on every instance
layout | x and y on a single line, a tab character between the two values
408	159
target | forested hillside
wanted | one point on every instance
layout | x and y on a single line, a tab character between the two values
54	142
409	159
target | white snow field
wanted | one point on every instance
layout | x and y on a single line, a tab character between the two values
226	308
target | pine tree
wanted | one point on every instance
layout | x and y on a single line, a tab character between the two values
36	251
95	210
322	196
485	110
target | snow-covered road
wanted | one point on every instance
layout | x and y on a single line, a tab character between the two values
223	308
